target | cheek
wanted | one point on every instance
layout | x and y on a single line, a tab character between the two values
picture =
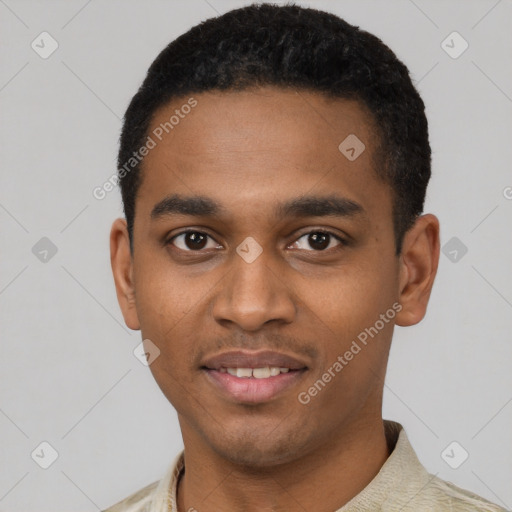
355	345
351	298
168	317
166	306
347	312
163	295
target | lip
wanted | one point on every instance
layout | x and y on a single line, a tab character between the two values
247	359
252	390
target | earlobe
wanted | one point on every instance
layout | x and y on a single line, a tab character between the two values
122	268
418	267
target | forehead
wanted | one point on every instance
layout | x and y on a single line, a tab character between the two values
253	147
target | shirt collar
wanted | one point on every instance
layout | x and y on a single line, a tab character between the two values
400	479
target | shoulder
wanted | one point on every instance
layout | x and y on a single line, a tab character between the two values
154	497
440	494
137	502
405	484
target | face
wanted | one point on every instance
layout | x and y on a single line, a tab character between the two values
261	255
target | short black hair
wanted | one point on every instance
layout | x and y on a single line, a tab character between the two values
291	47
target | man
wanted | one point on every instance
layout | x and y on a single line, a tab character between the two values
273	168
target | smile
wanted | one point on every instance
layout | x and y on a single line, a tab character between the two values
248	377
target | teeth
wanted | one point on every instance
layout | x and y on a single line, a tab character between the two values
261	373
257	373
243	372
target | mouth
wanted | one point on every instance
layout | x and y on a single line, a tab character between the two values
256	377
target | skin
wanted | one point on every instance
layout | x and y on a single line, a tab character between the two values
249	151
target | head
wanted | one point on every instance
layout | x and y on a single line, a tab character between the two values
294	149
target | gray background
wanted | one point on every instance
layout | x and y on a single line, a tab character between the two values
68	373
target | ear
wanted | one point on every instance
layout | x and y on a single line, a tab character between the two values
122	268
418	267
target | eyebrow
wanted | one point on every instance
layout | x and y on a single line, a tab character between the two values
305	206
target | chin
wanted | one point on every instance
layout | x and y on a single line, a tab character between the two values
255	448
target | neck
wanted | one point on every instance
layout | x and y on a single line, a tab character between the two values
323	479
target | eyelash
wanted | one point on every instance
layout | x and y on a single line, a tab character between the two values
342	241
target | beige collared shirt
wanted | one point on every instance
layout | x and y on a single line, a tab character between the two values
402	485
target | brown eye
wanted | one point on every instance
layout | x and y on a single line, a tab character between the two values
193	241
318	241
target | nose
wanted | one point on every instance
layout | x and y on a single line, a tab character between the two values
252	295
